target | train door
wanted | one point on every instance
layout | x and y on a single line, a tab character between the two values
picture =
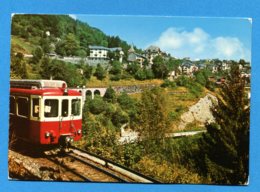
23	117
70	111
64	118
35	115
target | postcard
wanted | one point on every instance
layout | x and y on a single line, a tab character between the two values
130	99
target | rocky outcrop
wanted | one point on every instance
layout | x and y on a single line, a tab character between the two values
200	112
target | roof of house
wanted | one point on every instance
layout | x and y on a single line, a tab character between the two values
131	50
105	48
201	65
153	48
137	55
187	64
98	47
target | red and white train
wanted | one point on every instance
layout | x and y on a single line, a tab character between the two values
45	112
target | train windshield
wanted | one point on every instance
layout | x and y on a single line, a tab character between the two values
51	107
75	107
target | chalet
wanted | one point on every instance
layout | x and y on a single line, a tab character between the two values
132	57
151	52
187	67
135	57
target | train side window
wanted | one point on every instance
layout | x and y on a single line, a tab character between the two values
12	105
51	107
23	106
35	107
65	108
75	107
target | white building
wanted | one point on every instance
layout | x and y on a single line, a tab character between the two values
101	53
98	53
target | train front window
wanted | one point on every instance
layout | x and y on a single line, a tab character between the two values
23	106
35	107
65	108
51	107
75	107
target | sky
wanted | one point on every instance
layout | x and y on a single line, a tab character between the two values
193	37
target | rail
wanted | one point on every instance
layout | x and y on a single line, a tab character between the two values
117	168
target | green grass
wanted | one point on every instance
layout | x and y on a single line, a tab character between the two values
94	82
20	45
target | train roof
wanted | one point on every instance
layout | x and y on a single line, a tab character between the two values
37	84
41	87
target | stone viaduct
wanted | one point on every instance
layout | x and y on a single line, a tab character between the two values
91	92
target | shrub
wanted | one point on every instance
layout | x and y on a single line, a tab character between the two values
165	172
168	83
119	118
110	95
97	105
115	77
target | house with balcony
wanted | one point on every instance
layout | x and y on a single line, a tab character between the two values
100	54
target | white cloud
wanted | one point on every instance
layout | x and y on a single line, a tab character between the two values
73	16
199	44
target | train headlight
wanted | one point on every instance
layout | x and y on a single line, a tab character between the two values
79	131
67	139
47	134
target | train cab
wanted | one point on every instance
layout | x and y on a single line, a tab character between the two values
45	112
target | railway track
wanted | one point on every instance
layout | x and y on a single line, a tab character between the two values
91	168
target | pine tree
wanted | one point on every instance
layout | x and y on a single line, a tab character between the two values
110	95
226	143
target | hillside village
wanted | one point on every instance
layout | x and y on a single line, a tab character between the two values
105	55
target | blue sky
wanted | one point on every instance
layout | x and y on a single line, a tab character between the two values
194	37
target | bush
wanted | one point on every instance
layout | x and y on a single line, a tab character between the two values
100	72
167	172
110	95
194	87
140	75
210	85
97	105
115	77
168	83
149	73
119	118
182	81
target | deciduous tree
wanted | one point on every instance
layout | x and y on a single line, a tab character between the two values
154	119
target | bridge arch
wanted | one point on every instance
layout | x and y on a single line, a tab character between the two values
91	92
97	92
88	93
